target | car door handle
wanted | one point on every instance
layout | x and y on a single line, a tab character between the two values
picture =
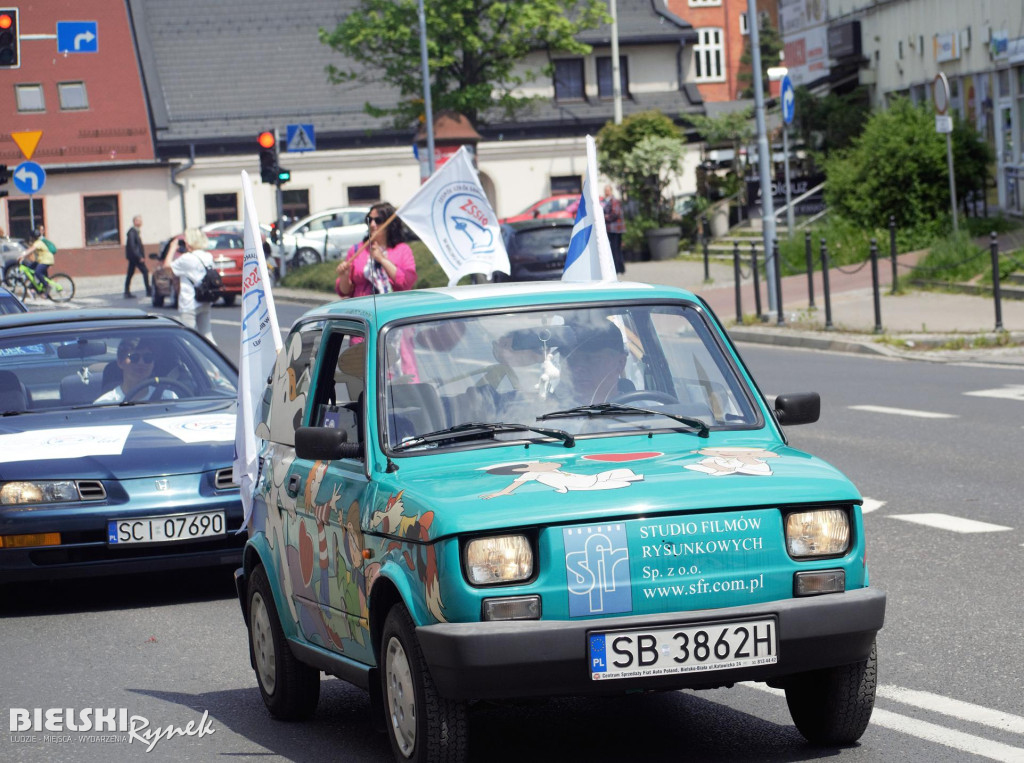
293	485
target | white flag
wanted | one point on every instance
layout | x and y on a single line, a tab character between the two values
452	216
590	255
260	343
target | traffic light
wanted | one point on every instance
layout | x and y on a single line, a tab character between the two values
10	40
283	175
268	156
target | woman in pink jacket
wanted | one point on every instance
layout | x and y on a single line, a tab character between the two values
381	263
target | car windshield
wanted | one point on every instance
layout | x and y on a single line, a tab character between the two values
68	367
589	370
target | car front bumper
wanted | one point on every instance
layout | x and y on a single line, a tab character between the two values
544	658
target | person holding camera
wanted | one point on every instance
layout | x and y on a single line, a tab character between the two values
190	267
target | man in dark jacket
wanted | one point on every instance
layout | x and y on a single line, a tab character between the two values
136	257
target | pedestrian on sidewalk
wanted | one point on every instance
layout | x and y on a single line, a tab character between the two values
614	225
136	256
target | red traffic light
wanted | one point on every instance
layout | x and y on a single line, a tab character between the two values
5	21
267	139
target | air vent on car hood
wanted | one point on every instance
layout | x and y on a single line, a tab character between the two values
222	480
91	490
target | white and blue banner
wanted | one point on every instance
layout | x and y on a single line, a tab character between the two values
453	218
590	255
260	343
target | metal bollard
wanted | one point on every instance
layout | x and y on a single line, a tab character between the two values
875	293
824	285
780	315
757	280
736	278
810	269
707	272
892	249
996	294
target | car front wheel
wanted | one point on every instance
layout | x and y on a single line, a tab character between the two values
229	299
290	689
422	725
305	256
833	706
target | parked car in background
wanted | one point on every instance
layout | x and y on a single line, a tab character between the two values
536	249
10	303
267	233
559	489
227	250
323	236
552	206
10	250
90	486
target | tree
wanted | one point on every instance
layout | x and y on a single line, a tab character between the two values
770	43
831	122
735	128
474	47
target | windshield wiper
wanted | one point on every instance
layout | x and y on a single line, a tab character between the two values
477	429
607	409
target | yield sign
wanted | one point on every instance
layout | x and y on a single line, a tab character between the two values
27	141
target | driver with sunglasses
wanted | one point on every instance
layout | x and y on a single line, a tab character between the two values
135	358
383	262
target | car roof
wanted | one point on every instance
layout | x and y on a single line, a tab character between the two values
397	305
86	317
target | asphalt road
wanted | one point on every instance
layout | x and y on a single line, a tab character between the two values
919	439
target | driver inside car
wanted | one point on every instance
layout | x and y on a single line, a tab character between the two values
136	359
592	368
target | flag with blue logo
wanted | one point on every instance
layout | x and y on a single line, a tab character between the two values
590	255
453	218
260	343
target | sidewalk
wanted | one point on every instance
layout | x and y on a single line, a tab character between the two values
917	324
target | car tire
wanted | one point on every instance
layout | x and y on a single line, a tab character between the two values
158	298
833	706
305	256
290	689
229	299
422	725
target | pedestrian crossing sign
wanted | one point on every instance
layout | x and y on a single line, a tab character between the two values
300	138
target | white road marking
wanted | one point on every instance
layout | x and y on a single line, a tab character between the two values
902	412
949	522
954	708
932	732
870	504
1009	392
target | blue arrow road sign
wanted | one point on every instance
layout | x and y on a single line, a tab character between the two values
788	100
29	177
77	37
301	138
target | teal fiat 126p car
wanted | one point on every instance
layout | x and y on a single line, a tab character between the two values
512	490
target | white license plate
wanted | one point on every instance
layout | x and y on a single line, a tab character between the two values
683	649
177	527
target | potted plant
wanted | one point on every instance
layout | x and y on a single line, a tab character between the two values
644	154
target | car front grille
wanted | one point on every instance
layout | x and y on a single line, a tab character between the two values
91	490
223	480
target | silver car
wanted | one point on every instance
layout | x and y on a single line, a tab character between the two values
326	235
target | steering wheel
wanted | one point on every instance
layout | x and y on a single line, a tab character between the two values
158	384
645	394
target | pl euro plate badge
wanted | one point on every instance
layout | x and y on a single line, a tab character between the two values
683	649
178	527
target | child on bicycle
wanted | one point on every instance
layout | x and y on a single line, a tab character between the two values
39	252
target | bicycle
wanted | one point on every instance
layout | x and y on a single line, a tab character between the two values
20	278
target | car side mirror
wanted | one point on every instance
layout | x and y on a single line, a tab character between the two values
325	444
798	408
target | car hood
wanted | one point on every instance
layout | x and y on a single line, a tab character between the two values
565	486
127	442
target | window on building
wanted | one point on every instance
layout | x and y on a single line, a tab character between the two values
604	77
102	226
220	206
21	219
707	55
72	96
569	79
295	203
703	3
566	184
744	24
30	97
361	195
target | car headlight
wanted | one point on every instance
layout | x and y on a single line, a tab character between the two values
37	491
824	532
499	559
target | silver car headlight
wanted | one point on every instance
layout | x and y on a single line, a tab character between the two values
37	491
823	532
498	559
